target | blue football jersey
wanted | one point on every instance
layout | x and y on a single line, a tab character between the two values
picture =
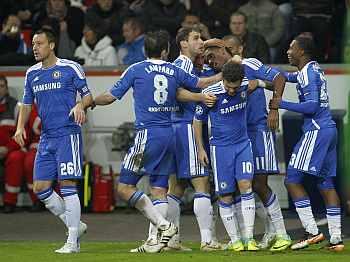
256	110
55	90
154	84
186	109
227	117
312	86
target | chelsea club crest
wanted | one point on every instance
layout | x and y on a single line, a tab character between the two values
56	74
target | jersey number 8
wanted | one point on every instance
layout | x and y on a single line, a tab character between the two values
160	83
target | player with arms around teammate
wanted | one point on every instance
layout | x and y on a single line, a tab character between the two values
231	152
53	84
260	132
155	85
188	168
315	154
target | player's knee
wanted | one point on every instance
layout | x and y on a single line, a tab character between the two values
245	186
225	199
158	193
41	186
200	184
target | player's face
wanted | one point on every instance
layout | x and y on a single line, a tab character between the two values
293	53
236	49
216	58
232	87
195	43
41	47
237	25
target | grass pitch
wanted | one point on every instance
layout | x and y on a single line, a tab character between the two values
118	252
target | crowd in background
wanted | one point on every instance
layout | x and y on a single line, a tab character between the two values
111	32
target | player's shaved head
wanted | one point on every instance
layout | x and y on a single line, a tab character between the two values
306	44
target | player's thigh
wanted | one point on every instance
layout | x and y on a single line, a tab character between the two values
264	152
244	168
188	165
69	157
223	165
45	164
151	152
201	184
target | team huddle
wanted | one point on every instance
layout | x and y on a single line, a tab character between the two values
192	120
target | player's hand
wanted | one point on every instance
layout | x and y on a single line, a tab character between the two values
236	59
209	100
20	136
275	103
203	157
273	119
253	85
79	114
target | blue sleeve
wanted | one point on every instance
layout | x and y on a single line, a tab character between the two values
124	83
254	69
28	95
308	107
186	79
201	112
291	77
79	81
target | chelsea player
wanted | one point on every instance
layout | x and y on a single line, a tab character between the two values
53	84
262	139
315	154
155	83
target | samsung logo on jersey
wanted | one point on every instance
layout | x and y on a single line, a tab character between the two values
164	109
159	68
232	108
47	86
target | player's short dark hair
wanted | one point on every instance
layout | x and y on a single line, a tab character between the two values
3	78
234	38
239	13
156	42
307	44
50	34
232	72
183	34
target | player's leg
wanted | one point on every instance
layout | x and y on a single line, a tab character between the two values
222	159
330	196
69	159
159	188
244	175
13	179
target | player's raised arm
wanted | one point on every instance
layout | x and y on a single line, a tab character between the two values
184	95
24	113
207	81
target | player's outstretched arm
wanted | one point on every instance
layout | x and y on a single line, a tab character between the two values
24	113
183	95
278	88
104	99
207	81
198	133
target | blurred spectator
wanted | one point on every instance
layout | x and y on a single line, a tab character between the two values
265	18
254	45
96	48
5	9
215	13
70	18
314	16
8	113
164	14
110	15
136	7
13	49
19	165
191	20
65	46
132	50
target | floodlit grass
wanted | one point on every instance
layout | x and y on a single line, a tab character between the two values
38	251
